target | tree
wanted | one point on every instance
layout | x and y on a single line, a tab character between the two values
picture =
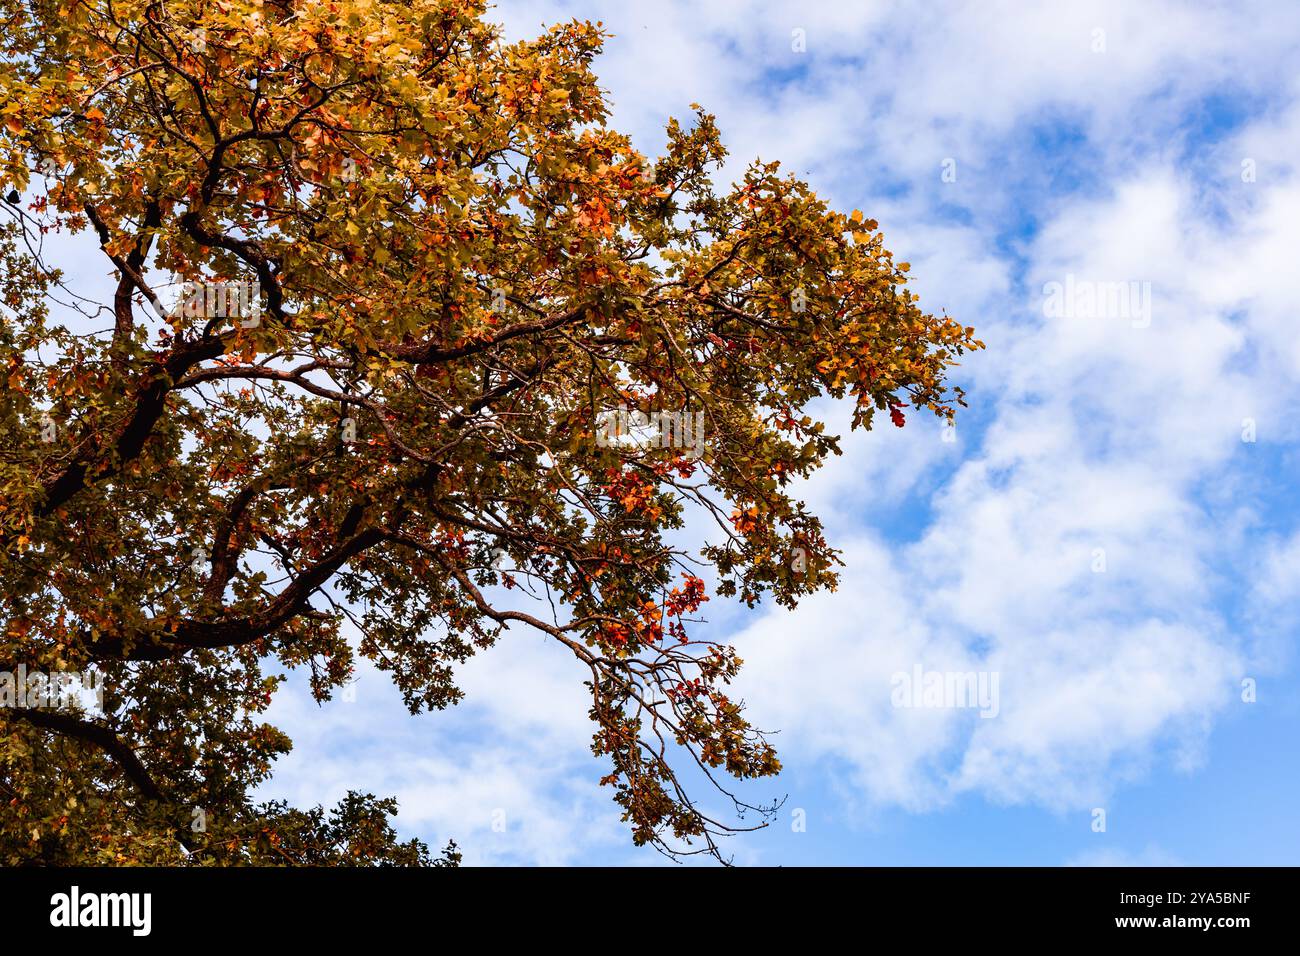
443	354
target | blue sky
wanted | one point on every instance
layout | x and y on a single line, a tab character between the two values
1152	145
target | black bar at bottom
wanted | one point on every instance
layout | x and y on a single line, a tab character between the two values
296	907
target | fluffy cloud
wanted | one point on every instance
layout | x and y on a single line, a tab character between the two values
1072	551
504	775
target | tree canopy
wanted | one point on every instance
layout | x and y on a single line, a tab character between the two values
378	282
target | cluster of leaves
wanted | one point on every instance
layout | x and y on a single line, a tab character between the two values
459	266
68	803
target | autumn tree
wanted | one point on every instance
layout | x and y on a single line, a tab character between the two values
398	344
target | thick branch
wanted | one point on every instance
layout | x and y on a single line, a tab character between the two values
101	737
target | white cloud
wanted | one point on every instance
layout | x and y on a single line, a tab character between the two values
1100	435
505	774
